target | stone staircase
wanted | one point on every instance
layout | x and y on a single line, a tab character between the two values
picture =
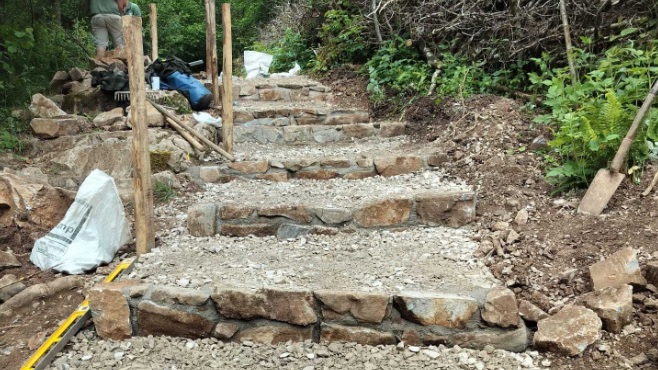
326	228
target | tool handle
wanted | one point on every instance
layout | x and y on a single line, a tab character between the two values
626	144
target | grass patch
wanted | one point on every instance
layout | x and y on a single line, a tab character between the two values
163	192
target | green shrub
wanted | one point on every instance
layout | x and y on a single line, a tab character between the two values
592	116
398	67
290	50
343	38
10	129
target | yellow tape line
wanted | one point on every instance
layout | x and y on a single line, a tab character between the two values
78	313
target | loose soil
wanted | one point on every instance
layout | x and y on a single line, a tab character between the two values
39	320
349	87
488	140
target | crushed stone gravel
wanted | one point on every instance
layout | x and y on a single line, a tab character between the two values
87	351
358	148
341	193
432	259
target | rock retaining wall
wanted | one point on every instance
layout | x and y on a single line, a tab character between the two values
292	116
290	221
318	168
282	92
124	309
264	134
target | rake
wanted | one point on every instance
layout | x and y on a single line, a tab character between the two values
125	95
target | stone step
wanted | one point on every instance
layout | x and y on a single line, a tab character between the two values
278	89
355	159
294	208
315	133
421	286
277	114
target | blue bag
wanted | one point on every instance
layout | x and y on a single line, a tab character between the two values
197	94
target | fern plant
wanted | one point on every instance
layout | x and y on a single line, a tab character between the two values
588	141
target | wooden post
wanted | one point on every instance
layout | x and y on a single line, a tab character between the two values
153	17
227	80
211	50
143	203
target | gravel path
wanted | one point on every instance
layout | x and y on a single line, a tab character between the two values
359	148
324	193
433	259
260	105
162	353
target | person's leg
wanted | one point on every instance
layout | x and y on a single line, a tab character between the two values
115	29
100	33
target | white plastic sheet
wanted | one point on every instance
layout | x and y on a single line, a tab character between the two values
203	117
91	233
257	64
293	72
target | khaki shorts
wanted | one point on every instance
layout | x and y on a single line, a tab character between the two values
105	25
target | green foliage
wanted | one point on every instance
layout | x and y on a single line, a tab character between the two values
593	115
460	76
163	192
398	67
343	38
10	128
290	50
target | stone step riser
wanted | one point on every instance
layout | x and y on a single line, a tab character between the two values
279	92
284	221
317	168
298	116
314	133
125	309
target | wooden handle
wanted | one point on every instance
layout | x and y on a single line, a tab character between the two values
185	135
193	132
626	144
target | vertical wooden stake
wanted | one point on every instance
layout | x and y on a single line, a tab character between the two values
143	203
567	39
153	16
227	80
211	50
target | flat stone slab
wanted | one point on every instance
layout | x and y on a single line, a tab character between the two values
432	260
354	160
299	207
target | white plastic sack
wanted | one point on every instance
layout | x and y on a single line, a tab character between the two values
203	117
256	63
91	233
293	72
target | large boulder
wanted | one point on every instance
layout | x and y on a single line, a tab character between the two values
58	80
51	128
109	118
34	208
614	305
153	117
89	101
569	332
619	269
500	308
43	107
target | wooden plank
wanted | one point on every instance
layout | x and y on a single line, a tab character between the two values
143	202
227	80
153	18
211	50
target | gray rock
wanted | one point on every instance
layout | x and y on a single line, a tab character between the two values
8	260
43	107
291	231
9	287
201	219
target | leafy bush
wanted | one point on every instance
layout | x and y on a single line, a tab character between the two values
343	39
10	128
593	115
290	50
398	67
